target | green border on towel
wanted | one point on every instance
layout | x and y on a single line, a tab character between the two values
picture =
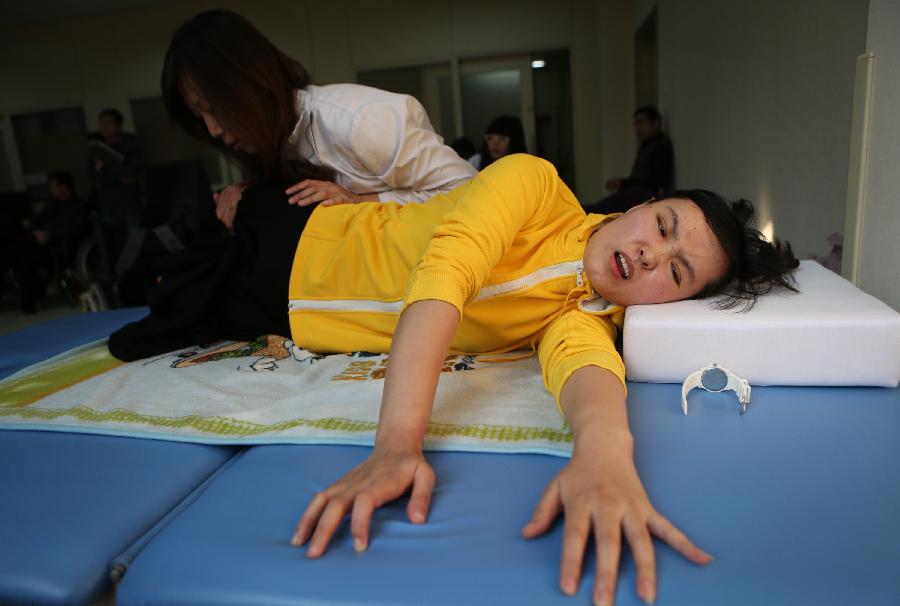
225	426
24	389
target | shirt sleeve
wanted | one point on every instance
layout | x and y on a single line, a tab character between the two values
393	139
575	340
475	235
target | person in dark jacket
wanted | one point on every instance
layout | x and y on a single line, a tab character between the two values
652	172
115	169
63	219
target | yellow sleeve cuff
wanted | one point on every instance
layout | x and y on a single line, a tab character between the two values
557	376
436	285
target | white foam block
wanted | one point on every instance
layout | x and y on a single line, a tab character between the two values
831	333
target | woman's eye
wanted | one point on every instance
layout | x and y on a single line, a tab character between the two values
675	275
662	228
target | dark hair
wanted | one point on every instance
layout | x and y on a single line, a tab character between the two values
250	85
63	178
648	110
463	147
755	265
113	113
509	126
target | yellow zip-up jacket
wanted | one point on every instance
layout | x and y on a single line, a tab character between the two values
505	249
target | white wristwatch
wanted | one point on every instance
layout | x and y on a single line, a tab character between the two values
715	378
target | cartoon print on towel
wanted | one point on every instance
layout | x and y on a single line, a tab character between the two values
367	369
269	350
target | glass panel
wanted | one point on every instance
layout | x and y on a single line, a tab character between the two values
553	112
491	86
486	95
6	180
50	141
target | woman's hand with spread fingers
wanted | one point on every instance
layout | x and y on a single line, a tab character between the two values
327	193
386	475
601	492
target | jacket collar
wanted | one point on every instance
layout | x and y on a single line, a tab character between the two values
592	302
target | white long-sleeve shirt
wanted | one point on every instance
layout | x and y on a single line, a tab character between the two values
375	141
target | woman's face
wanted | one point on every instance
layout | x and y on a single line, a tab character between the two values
655	253
202	109
497	145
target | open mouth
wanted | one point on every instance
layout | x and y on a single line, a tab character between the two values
623	265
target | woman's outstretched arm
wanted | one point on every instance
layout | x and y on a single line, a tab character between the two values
397	462
600	491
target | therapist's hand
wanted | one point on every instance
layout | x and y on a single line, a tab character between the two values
227	203
328	193
386	475
599	490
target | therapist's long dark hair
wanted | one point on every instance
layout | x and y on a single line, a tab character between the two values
250	86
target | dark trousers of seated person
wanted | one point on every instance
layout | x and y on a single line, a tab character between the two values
620	201
22	256
235	288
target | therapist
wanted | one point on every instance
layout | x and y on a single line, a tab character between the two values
228	85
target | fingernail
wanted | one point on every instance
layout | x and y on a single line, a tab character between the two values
568	585
601	600
648	593
295	541
359	545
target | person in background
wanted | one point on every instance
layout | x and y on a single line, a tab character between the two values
116	176
52	234
653	169
63	219
503	136
226	84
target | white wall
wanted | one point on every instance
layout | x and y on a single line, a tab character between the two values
758	97
104	61
879	270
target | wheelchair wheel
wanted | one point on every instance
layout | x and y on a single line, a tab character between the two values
88	263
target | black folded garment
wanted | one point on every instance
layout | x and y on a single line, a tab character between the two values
232	288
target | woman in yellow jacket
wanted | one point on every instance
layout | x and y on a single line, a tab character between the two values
510	261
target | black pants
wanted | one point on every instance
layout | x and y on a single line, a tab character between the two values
620	201
231	288
20	253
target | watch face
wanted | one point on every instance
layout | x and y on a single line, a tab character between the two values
714	379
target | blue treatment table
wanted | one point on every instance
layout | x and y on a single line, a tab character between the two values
799	500
72	502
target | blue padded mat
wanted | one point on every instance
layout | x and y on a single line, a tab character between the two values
37	343
797	499
72	502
